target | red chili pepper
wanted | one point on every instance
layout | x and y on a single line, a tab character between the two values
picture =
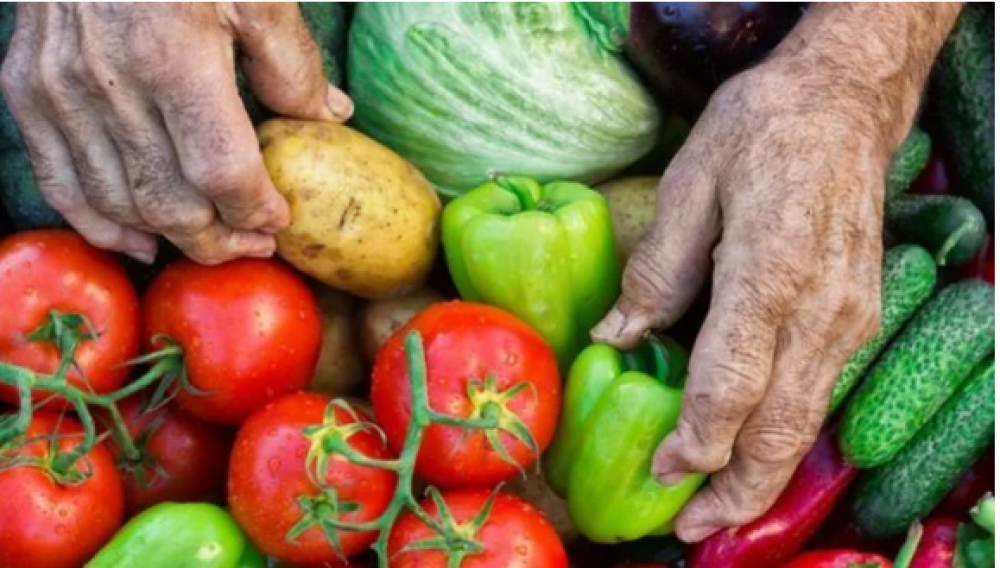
982	265
814	489
937	545
933	179
840	558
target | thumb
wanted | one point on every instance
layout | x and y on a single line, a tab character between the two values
669	265
284	65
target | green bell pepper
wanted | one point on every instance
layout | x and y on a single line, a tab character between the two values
617	408
546	253
179	535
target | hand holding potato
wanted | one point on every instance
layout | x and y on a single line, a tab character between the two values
134	124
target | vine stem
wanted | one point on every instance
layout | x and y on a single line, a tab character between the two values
65	331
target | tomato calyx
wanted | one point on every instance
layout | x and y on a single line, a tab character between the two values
456	540
170	372
142	466
66	332
492	414
64	468
323	510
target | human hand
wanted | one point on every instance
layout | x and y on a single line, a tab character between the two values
134	125
795	191
785	172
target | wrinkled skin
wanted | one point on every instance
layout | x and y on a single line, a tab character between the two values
134	124
780	187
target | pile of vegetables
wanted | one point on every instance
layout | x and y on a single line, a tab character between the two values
412	382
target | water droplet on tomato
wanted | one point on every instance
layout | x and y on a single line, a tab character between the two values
60	529
300	452
273	465
63	513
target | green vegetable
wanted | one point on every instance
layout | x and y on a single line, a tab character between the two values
908	161
468	90
926	363
964	99
179	535
891	497
19	192
950	227
545	253
617	407
975	546
908	278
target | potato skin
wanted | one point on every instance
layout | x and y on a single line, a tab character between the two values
633	208
340	370
363	219
377	321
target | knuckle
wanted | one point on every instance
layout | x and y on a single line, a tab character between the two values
737	385
774	444
61	196
698	451
163	213
205	252
220	176
644	280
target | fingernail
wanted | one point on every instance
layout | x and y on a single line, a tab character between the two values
671	478
609	327
696	533
142	256
339	103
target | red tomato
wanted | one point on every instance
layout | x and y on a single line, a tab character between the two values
183	459
250	331
41	271
464	343
514	534
268	478
843	558
48	524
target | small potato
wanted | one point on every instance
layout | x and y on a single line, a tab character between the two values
377	321
363	219
633	209
341	369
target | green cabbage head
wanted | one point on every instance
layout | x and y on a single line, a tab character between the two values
468	90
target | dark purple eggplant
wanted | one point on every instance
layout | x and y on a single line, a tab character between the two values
685	50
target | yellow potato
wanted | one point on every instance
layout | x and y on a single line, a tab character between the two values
363	219
377	321
340	370
633	208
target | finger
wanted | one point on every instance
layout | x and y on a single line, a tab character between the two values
284	64
670	264
771	442
52	162
167	202
218	150
732	360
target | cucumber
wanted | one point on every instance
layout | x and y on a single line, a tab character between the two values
925	364
890	498
907	163
948	226
908	278
963	97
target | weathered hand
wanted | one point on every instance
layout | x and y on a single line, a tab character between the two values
783	176
134	125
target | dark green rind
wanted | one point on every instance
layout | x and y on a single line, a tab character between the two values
908	278
948	226
925	364
965	102
907	163
18	190
890	498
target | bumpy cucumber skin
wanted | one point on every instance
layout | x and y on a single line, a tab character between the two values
907	163
940	346
963	94
952	228
890	498
908	279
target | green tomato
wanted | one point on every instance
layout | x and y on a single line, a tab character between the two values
179	535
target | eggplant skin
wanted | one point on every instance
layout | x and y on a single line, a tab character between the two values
687	49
